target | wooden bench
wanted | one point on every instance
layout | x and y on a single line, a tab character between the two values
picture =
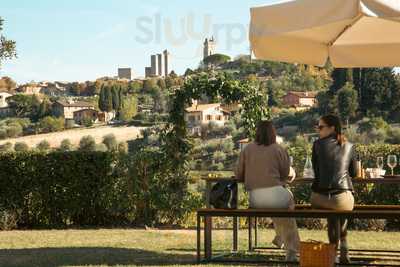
301	211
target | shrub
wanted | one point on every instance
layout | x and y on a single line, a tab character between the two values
6	147
87	143
217	167
87	122
227	146
110	142
122	147
66	145
21	147
3	134
219	156
51	124
101	147
14	130
43	146
8	220
368	124
393	136
377	136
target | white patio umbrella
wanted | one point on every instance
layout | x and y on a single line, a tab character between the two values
351	33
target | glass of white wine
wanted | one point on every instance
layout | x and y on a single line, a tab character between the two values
392	162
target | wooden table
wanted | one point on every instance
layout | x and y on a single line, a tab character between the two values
211	181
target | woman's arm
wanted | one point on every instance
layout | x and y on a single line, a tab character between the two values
314	161
284	165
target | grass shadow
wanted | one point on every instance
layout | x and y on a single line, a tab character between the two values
73	256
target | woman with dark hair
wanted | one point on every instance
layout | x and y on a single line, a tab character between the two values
264	168
334	164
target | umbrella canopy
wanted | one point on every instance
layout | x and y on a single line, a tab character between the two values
351	33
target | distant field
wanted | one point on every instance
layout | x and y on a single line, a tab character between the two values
122	133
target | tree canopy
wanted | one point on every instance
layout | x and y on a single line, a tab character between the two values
216	59
7	47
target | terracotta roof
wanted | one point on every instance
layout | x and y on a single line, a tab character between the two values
202	107
304	94
75	104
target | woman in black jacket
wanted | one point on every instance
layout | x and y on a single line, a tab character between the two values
334	165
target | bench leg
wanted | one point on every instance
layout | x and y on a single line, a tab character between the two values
250	219
198	238
235	233
207	237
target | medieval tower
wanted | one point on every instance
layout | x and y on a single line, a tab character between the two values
209	47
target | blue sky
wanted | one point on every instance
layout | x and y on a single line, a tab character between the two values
76	40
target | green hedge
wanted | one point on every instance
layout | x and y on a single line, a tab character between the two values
89	189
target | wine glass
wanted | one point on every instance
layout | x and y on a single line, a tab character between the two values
392	162
291	161
379	163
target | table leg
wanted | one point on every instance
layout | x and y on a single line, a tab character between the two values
207	237
250	219
208	190
255	231
198	238
235	233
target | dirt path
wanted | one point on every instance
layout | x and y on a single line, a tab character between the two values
122	133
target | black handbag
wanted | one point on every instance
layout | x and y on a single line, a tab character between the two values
223	195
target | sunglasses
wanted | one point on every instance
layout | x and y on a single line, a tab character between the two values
320	127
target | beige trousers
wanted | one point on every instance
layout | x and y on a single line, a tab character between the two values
278	197
343	201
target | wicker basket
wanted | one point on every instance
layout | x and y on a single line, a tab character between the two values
317	254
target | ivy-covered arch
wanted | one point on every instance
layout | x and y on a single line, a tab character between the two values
217	86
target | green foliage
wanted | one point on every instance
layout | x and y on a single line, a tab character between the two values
106	99
219	156
149	84
87	143
66	146
110	142
101	147
379	91
51	124
14	130
44	109
368	124
21	147
135	87
7	47
24	106
394	136
116	95
6	147
128	109
122	147
340	77
43	146
347	102
87	122
216	59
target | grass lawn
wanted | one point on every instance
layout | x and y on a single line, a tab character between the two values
139	247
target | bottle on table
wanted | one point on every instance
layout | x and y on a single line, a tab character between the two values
308	169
